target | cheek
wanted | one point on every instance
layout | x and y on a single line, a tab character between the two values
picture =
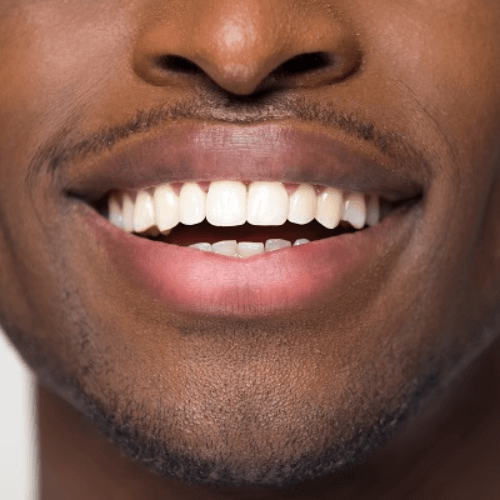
442	59
45	69
26	288
56	57
487	263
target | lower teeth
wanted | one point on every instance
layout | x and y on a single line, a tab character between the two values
232	248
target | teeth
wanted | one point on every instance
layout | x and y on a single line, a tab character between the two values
206	247
355	210
301	241
267	204
166	207
248	249
115	213
228	248
373	211
230	203
244	249
144	212
128	212
226	203
191	204
329	208
302	205
277	244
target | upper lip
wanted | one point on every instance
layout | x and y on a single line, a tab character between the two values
276	151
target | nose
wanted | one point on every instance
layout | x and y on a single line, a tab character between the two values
244	46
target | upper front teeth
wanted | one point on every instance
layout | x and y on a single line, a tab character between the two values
268	204
232	203
192	204
303	205
166	207
226	203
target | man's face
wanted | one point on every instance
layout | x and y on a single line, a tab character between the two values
287	365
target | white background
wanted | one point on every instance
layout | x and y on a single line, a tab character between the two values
18	439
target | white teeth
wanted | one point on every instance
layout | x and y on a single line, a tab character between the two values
301	241
329	208
144	212
228	248
245	249
128	212
166	207
206	247
267	204
226	203
249	248
302	205
229	203
115	213
373	211
355	210
191	204
276	244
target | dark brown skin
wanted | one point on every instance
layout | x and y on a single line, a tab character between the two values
425	70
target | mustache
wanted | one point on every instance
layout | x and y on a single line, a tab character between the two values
68	145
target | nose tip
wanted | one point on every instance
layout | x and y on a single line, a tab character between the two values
236	56
242	46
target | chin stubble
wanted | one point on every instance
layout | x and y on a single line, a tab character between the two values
142	438
144	435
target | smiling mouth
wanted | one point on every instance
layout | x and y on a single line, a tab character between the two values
246	221
243	219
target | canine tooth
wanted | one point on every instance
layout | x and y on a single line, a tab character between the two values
205	247
115	212
166	207
373	211
191	204
302	205
249	248
128	212
228	247
355	210
277	244
301	241
144	212
329	207
226	203
267	204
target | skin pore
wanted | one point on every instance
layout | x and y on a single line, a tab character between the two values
336	399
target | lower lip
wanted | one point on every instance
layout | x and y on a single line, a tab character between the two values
188	280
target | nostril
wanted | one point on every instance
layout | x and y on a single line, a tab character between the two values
178	64
304	63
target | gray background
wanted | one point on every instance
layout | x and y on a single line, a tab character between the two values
18	438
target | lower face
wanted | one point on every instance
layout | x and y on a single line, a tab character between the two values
229	389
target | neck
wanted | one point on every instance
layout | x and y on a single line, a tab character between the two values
441	453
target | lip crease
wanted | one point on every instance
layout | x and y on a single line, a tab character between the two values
192	151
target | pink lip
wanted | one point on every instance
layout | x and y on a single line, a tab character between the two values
273	151
188	280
